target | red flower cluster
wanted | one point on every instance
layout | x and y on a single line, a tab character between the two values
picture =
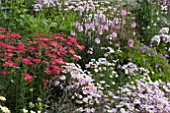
45	51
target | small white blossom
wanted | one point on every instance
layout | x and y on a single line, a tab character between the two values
156	38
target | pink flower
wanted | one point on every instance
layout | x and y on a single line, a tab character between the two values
72	40
97	40
48	71
59	61
2	36
55	44
45	83
36	60
80	47
130	43
28	77
46	63
3	30
77	57
133	25
71	51
27	61
9	63
123	12
114	34
117	45
3	72
14	35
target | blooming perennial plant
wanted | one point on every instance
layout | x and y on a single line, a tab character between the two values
47	51
144	95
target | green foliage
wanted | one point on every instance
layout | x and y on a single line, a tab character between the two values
148	16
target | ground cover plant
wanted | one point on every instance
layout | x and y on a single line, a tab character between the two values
84	56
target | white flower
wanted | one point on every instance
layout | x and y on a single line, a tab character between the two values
32	111
122	110
62	77
49	3
5	110
164	30
2	98
164	7
38	111
156	38
25	111
136	101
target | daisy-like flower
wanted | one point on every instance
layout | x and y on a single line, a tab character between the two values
164	30
156	38
2	98
5	109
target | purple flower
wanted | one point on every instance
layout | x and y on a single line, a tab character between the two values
143	50
149	54
166	55
80	28
87	26
156	65
123	12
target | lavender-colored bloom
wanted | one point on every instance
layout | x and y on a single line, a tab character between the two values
149	54
80	9
80	28
143	50
156	65
92	26
144	60
87	26
106	27
114	34
151	45
166	55
164	30
86	7
123	12
76	24
100	31
156	38
116	20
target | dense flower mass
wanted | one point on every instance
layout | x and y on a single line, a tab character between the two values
145	96
88	93
85	56
14	52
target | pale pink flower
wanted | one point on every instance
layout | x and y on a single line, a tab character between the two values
97	40
123	12
130	43
133	25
